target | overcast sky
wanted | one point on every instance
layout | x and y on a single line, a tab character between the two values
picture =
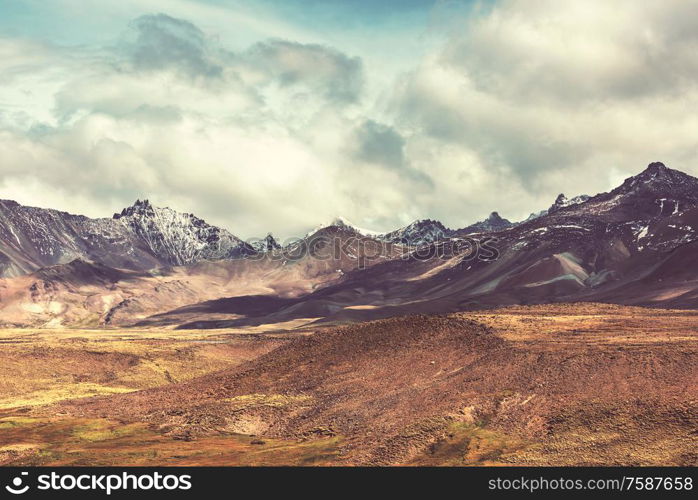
278	115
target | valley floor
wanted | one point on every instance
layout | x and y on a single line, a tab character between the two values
564	384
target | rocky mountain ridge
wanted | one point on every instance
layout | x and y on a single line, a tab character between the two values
634	245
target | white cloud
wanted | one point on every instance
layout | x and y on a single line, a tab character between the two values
572	52
171	116
526	100
554	96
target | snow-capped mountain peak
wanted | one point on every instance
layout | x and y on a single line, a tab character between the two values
419	232
563	202
180	238
142	207
267	244
658	177
494	222
344	224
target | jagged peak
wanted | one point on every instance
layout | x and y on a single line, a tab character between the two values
344	223
657	170
426	222
144	208
143	204
266	244
656	166
535	215
139	207
418	232
658	176
341	222
494	218
563	201
493	222
271	242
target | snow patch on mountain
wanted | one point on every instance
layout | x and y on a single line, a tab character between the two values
563	202
266	245
418	233
492	223
344	224
180	238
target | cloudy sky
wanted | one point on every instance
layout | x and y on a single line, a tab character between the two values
278	115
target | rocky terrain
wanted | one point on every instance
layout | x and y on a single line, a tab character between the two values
141	237
151	266
153	338
567	384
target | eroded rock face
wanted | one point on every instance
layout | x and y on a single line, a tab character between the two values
562	202
492	223
633	245
140	237
418	233
180	238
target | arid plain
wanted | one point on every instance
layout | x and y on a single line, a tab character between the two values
564	384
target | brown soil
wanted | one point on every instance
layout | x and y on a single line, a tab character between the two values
561	384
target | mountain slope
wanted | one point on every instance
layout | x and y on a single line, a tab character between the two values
632	245
180	238
519	386
31	238
601	249
141	237
494	222
418	233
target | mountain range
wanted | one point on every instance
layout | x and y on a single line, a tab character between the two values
152	266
